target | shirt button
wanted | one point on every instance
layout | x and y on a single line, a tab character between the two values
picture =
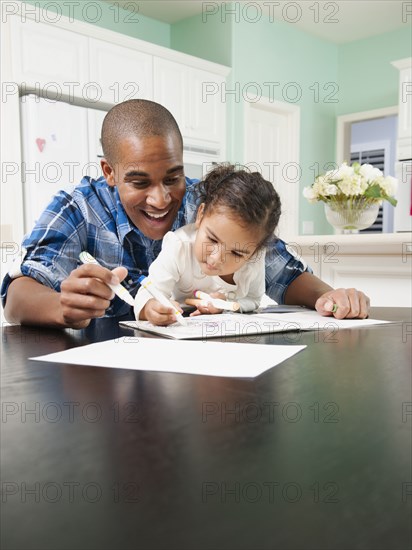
231	295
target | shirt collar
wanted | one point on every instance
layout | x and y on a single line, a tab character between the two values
123	224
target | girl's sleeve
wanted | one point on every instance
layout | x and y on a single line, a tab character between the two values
256	286
164	272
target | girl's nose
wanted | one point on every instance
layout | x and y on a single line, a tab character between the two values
216	255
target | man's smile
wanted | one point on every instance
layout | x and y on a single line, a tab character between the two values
154	215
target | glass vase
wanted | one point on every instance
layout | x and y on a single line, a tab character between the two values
352	215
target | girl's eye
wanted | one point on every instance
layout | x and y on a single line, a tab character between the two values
237	254
214	241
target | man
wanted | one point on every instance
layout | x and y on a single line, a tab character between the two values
120	219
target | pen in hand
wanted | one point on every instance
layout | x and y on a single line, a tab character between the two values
118	289
157	295
203	299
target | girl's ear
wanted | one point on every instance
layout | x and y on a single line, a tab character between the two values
199	215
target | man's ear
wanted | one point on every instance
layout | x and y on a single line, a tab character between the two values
108	172
199	215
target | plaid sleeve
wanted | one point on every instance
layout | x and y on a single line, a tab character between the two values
52	248
282	266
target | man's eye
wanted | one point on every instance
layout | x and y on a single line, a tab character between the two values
174	180
237	254
214	241
139	184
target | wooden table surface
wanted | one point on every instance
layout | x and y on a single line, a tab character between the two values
313	454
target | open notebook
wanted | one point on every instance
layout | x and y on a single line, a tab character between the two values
238	324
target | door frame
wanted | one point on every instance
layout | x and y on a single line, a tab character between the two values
292	112
343	128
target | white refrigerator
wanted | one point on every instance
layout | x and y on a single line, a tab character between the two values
60	145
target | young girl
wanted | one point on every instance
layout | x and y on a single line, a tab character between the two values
223	253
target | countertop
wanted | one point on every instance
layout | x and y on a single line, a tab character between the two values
371	243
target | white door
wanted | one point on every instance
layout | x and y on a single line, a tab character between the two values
271	147
55	151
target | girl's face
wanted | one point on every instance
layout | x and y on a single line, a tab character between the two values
222	245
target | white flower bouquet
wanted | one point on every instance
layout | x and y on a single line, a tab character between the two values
357	186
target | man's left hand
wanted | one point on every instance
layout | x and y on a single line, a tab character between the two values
343	303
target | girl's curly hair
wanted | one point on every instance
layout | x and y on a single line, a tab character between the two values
251	199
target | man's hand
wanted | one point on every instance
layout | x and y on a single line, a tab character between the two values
158	314
85	293
343	303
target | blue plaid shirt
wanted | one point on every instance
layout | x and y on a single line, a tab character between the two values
92	218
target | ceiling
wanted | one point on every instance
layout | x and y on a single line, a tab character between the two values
337	21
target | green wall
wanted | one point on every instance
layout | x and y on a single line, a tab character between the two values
110	17
276	52
360	73
210	39
367	80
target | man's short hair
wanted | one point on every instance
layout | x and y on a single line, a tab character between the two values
136	117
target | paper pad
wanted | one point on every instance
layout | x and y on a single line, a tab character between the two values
194	357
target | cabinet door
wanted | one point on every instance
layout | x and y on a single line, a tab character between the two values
207	113
120	73
48	57
181	89
169	89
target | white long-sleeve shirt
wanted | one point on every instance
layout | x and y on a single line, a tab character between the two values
177	274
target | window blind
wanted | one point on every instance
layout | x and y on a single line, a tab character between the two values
375	157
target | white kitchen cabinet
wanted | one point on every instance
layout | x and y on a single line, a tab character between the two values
120	73
49	58
379	265
404	144
169	88
75	61
187	93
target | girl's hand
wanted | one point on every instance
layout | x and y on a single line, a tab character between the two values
158	314
209	309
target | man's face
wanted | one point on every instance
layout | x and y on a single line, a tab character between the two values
150	180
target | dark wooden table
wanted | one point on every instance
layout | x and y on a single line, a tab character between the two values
314	454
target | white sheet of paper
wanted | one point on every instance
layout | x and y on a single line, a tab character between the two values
193	357
223	325
312	320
